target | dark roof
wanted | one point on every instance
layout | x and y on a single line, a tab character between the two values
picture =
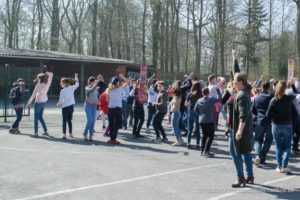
58	56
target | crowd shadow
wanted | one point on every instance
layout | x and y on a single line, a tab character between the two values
277	192
80	141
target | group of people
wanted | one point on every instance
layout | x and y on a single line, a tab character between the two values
255	113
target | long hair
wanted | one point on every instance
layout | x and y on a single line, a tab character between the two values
196	90
176	90
280	89
242	78
41	78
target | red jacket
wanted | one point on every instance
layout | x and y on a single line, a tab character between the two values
103	104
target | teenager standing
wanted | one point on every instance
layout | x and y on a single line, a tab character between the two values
40	95
67	102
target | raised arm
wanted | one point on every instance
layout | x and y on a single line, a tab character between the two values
236	67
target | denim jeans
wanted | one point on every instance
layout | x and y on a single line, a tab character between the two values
19	113
90	111
114	121
238	160
130	113
175	124
139	117
124	113
283	140
263	140
151	112
193	119
38	116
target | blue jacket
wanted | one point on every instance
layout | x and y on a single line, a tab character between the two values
205	108
260	107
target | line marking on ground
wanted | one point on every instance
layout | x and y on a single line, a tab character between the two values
247	189
117	182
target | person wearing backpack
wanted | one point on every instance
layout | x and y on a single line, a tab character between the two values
16	97
67	102
40	95
90	106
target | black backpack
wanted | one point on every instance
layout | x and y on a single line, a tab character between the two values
15	95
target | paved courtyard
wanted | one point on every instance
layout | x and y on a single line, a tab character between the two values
51	168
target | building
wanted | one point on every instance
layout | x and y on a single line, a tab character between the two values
16	63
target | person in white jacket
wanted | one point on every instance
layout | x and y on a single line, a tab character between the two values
67	102
43	82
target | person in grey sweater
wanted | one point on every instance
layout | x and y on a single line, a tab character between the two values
161	106
204	109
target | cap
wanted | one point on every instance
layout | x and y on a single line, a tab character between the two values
114	80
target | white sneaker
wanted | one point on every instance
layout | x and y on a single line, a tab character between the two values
70	135
278	169
257	161
85	138
91	137
285	170
63	136
177	144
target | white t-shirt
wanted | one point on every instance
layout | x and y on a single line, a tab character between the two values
152	95
115	98
66	97
213	91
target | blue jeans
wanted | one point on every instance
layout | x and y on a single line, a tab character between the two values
175	124
283	140
193	119
124	113
263	140
19	113
90	111
38	116
238	160
151	112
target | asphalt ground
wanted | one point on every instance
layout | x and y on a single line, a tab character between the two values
52	168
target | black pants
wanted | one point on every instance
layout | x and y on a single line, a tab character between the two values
157	124
67	113
139	117
208	132
130	113
114	120
151	112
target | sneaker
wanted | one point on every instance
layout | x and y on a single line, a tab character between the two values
198	147
207	154
188	146
36	135
157	139
147	130
257	161
63	136
114	142
11	131
91	137
177	144
85	138
17	131
164	140
285	170
264	165
45	133
70	135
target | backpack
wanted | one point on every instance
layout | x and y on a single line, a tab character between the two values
15	95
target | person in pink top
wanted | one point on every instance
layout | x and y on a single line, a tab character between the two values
43	82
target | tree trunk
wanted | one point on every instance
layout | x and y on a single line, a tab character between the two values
54	40
144	32
94	27
155	32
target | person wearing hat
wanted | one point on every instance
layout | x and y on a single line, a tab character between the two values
114	98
